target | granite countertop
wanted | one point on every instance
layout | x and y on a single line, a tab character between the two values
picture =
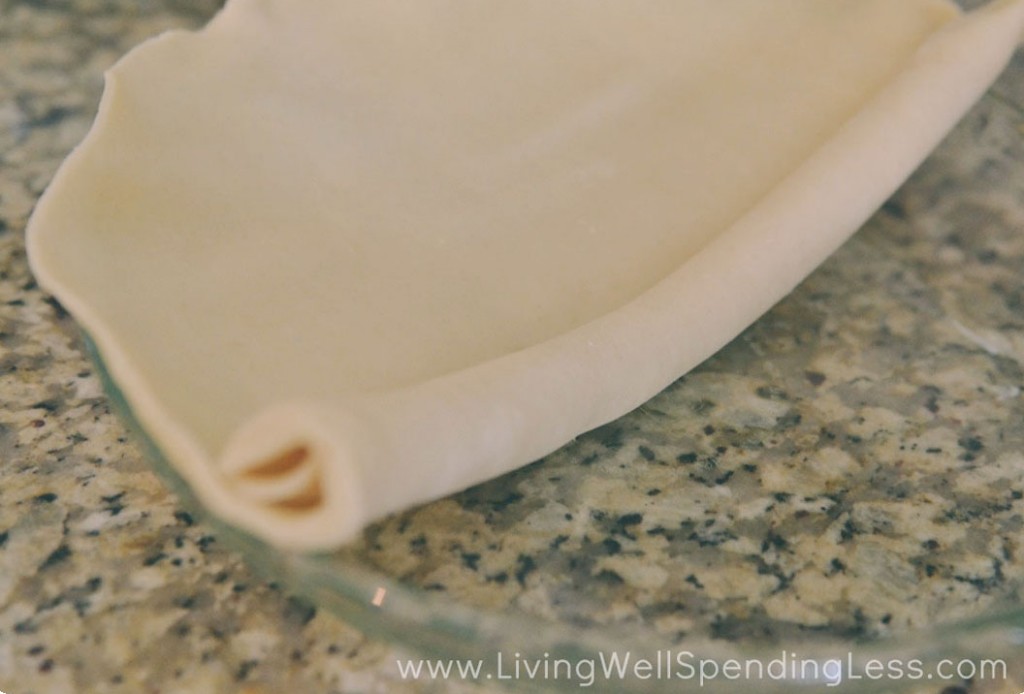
852	465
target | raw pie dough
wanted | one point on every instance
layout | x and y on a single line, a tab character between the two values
346	257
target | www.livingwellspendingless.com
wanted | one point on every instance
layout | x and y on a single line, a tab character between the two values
685	666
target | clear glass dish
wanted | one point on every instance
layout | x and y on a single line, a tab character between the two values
843	483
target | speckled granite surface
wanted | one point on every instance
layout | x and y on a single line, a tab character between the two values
851	466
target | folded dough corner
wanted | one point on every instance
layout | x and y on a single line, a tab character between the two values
345	258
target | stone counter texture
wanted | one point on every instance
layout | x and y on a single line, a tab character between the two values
852	465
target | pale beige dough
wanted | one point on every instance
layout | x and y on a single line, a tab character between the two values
346	257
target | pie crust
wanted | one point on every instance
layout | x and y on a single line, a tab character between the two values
343	258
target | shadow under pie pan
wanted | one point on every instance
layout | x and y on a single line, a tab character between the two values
350	270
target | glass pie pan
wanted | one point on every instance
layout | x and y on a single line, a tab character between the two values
841	483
